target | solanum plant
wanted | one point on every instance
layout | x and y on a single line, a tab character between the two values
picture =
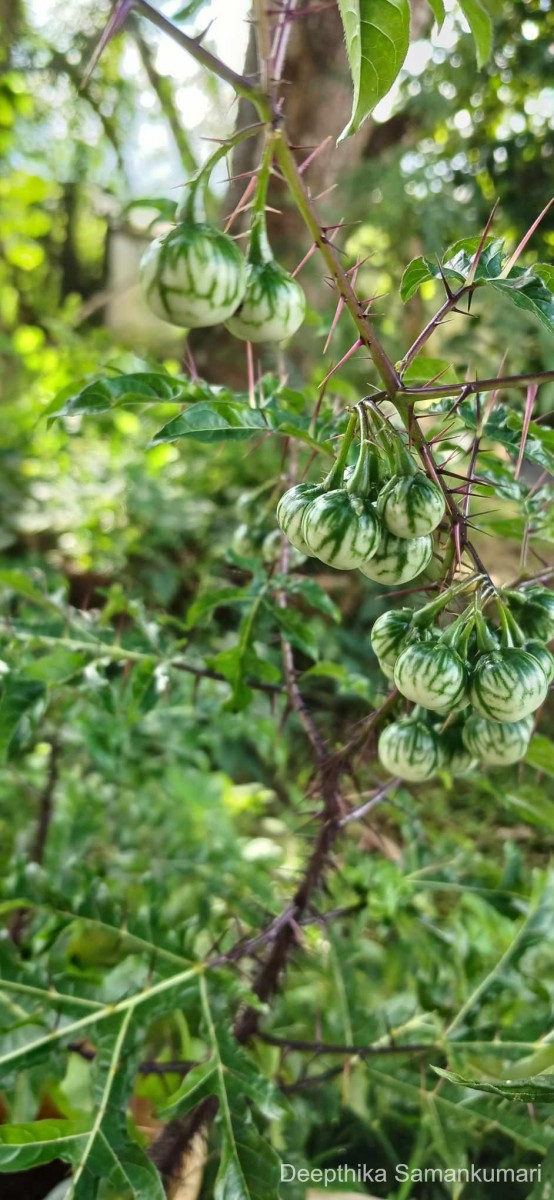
465	660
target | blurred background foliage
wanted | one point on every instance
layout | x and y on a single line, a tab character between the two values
157	787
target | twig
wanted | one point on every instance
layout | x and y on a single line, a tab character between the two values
336	1048
36	853
364	809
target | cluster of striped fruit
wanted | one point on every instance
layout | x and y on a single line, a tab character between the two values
475	685
195	276
378	515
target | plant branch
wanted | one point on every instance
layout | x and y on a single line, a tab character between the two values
100	650
241	85
193	46
336	1048
36	853
368	336
161	85
435	392
263	40
452	299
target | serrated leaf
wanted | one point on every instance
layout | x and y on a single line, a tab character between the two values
214	422
481	28
517	1129
377	34
249	1168
531	1090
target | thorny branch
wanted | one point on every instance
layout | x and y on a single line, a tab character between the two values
284	931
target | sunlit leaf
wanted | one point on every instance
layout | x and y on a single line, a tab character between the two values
377	35
481	27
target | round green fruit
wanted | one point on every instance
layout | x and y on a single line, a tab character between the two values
409	749
411	505
273	306
290	513
342	530
397	560
542	655
495	744
430	674
458	761
389	634
507	685
194	276
536	614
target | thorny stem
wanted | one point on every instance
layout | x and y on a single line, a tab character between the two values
285	930
451	300
241	85
478	385
264	42
368	337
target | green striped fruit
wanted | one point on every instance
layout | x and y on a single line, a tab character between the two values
290	512
507	685
409	749
342	530
411	505
458	761
389	633
495	744
542	655
458	707
273	306
430	674
398	560
454	755
536	615
194	276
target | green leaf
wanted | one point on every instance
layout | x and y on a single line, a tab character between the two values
217	598
57	667
297	630
539	1088
530	291
377	34
541	754
416	273
249	1168
142	387
312	592
25	1146
213	422
20	582
438	10
18	696
480	24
